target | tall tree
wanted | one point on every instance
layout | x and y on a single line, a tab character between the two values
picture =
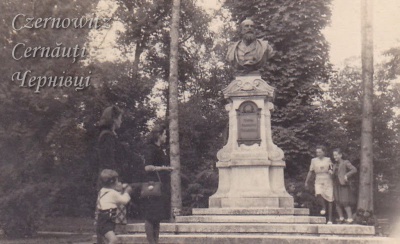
176	195
365	195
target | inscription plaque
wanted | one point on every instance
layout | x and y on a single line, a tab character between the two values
248	116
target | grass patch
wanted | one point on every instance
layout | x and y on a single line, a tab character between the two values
80	230
72	230
51	239
69	224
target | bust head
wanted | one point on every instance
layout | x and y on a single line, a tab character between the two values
249	54
248	31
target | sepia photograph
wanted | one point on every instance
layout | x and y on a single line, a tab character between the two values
200	122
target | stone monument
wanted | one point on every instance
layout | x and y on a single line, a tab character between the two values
250	165
251	204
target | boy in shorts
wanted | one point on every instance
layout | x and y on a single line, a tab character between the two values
110	195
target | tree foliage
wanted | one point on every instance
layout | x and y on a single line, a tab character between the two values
41	142
147	25
48	139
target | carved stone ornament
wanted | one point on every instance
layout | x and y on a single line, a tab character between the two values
276	154
224	154
249	85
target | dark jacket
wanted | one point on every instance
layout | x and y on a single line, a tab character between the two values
342	169
106	150
154	155
157	208
113	155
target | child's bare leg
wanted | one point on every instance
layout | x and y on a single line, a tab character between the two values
111	237
330	211
339	210
321	202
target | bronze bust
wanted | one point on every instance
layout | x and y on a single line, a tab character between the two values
249	54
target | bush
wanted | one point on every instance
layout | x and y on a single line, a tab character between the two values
22	210
302	198
198	191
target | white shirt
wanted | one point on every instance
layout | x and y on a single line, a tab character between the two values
321	168
110	198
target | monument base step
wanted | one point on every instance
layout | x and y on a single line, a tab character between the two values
253	239
251	219
252	202
250	211
257	228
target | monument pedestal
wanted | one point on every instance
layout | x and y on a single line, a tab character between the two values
250	165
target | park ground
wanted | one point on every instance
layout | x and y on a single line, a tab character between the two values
58	231
61	230
79	230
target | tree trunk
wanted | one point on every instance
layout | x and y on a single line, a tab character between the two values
365	196
176	199
135	66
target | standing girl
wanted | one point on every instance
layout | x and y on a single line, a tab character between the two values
110	151
157	168
322	167
344	198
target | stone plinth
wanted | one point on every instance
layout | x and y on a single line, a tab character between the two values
250	165
259	228
250	211
260	238
289	219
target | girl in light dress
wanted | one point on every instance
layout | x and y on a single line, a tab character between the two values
323	169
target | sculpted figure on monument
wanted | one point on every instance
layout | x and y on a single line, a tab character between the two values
249	54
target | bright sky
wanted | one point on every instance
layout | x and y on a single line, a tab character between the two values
344	33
